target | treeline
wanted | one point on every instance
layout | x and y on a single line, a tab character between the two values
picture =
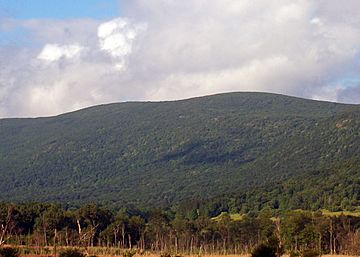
35	224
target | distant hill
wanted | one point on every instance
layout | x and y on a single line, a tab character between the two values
255	149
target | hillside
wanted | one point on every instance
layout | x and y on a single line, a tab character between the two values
247	145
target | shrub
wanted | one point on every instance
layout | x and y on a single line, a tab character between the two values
263	250
129	253
310	253
274	243
9	252
294	254
71	253
165	255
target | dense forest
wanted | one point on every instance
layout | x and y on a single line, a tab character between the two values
243	151
177	231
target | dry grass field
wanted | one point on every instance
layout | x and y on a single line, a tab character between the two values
158	255
33	251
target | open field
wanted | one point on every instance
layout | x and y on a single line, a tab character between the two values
33	251
157	255
339	213
239	217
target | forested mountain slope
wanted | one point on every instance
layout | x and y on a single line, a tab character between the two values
148	153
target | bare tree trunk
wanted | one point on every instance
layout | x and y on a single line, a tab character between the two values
213	244
224	245
115	239
129	238
143	240
4	227
55	235
79	228
176	244
331	237
191	245
123	235
45	235
157	242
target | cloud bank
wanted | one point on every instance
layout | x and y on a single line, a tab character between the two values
167	49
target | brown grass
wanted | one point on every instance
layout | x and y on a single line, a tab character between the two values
208	255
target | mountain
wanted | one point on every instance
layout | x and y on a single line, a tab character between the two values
259	148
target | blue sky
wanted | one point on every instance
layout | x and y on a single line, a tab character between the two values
59	9
62	55
51	9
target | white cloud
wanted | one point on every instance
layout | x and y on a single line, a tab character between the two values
291	12
54	52
316	21
108	28
161	49
116	36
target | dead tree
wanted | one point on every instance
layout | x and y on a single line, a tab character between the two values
4	227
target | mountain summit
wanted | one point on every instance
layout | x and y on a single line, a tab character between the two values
161	153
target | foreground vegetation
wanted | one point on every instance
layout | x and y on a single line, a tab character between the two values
37	227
